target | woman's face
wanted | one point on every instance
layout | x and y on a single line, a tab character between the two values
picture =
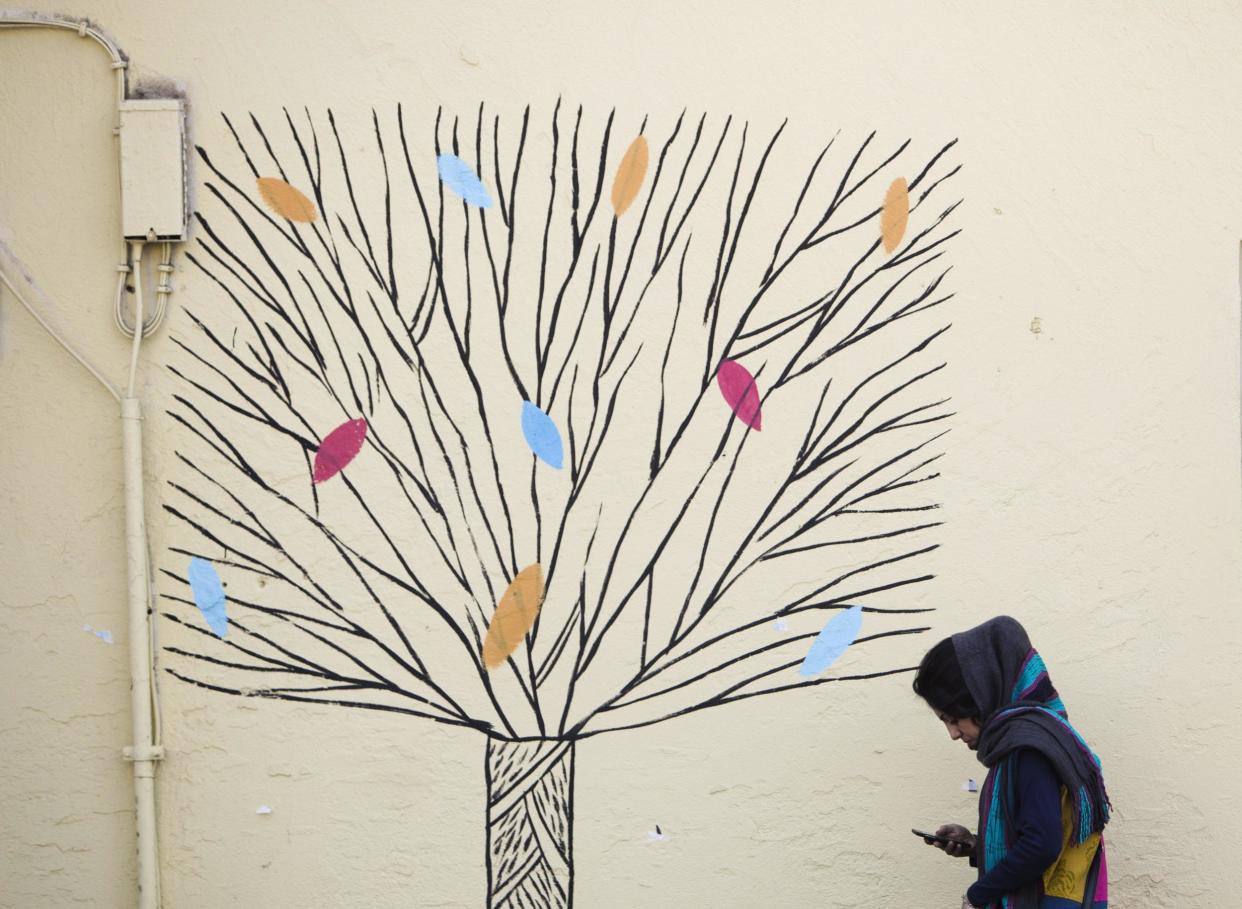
961	729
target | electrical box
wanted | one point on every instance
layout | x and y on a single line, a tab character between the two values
153	169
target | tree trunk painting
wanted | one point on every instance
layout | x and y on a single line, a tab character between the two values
547	430
530	788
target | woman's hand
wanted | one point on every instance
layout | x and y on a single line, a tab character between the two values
963	840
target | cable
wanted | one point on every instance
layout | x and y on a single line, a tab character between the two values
162	292
136	247
118	299
164	289
120	65
84	30
157	713
112	389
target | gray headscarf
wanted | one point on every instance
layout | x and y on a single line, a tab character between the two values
1020	708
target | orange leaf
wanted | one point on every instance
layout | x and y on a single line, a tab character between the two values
514	616
286	201
894	215
630	174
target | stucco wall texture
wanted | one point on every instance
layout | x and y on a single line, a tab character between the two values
1090	485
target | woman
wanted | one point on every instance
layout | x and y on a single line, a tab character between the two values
1043	806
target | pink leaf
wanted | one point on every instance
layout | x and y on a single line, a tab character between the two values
339	448
738	387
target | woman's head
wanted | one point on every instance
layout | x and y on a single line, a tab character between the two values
941	684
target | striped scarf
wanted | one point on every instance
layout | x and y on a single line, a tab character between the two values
1020	708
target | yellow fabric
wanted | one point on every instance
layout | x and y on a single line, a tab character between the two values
1067	876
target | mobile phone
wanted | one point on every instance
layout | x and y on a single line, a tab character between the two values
933	837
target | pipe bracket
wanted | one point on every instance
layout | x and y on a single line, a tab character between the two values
138	753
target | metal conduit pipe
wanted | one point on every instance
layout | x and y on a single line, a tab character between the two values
145	751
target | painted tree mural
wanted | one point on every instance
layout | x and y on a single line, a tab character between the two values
552	427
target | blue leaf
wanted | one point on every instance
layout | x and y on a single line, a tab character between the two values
209	595
833	641
542	435
461	179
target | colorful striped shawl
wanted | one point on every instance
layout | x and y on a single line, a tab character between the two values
1021	708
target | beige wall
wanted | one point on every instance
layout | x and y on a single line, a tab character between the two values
1091	485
